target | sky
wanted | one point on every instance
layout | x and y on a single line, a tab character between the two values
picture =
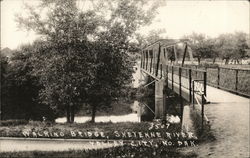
177	17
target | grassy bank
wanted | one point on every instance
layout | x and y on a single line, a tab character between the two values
118	152
158	148
86	130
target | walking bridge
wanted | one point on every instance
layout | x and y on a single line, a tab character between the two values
188	83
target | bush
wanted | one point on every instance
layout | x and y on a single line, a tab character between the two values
125	151
13	122
209	65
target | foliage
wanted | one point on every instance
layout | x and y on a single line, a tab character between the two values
202	46
152	36
126	151
225	46
233	46
13	122
19	89
84	54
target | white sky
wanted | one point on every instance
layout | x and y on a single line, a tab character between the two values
178	18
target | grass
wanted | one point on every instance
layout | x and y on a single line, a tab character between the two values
205	135
157	149
118	152
108	129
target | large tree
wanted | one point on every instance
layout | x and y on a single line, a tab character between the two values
83	56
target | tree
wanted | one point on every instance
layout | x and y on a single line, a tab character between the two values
233	46
114	70
83	57
4	67
62	61
203	47
197	43
20	88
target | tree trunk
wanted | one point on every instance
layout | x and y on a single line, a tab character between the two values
68	114
72	114
93	113
199	61
226	62
214	60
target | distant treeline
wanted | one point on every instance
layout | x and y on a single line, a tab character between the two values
226	47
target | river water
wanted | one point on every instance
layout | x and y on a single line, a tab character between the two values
135	116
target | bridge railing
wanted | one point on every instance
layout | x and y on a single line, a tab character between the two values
194	81
235	80
184	77
230	79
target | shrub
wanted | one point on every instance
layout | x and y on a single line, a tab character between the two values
13	122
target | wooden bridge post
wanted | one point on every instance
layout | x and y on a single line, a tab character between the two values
146	59
141	59
180	94
236	80
193	93
175	55
166	76
218	78
202	112
205	83
190	84
172	72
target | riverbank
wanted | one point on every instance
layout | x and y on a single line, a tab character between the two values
121	151
109	130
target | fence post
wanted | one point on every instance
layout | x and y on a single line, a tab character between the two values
190	84
172	77
193	94
196	72
205	83
161	70
150	66
141	59
202	112
218	78
180	80
180	94
167	74
236	80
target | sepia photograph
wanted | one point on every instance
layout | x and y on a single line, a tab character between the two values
125	79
